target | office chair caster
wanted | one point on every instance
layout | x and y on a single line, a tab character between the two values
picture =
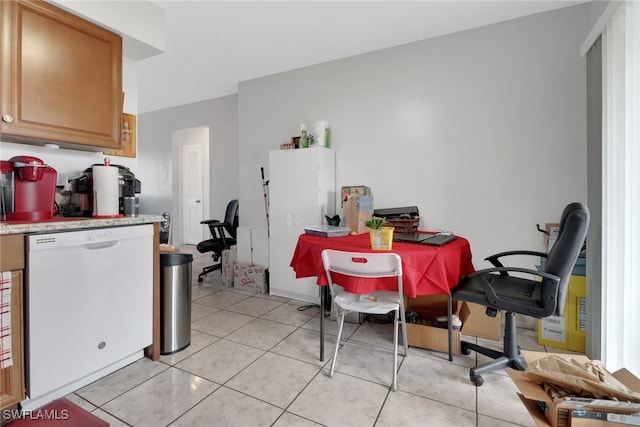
477	380
464	349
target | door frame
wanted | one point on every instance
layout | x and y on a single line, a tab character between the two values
181	138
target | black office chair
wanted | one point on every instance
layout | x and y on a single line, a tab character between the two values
223	235
541	295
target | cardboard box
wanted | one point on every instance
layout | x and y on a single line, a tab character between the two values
474	323
357	190
251	278
581	418
568	331
549	412
229	259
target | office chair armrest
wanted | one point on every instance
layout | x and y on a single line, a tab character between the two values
488	289
493	259
221	226
209	221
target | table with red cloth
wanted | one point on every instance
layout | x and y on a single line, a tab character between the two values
426	270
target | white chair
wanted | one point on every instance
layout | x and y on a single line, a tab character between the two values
366	265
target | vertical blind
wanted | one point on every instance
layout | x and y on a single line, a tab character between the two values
621	189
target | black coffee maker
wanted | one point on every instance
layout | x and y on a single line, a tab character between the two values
129	187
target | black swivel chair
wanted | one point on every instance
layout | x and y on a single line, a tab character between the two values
223	235
540	296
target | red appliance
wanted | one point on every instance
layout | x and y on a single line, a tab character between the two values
28	189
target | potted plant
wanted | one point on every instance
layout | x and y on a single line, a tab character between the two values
381	236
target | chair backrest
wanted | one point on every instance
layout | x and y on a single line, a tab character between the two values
562	257
231	217
362	264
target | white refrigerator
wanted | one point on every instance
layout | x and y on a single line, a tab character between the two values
302	190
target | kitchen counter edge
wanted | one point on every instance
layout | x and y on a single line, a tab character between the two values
76	224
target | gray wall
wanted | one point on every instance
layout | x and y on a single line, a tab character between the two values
157	153
483	130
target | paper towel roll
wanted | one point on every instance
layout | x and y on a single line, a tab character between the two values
105	191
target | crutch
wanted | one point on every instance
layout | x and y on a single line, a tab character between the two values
265	190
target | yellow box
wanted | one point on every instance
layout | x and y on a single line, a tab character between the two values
569	330
381	239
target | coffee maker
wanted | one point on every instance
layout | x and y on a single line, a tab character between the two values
129	187
28	189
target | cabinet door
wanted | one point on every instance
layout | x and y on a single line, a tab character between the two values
12	378
301	188
61	78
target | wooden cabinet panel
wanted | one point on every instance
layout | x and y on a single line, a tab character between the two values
62	78
12	383
12	378
11	252
128	138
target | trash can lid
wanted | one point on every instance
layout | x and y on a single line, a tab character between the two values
168	259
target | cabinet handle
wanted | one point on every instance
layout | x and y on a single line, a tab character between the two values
7	118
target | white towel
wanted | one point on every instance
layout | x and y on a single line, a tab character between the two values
6	359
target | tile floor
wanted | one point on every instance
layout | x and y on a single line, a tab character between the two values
253	361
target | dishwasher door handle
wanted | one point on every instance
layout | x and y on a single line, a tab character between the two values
101	245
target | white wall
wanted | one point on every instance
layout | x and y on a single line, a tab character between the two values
484	130
157	153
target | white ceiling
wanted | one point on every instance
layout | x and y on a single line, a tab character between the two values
211	46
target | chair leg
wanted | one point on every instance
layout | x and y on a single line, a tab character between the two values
396	316
335	352
403	326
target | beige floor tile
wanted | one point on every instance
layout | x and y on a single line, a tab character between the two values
254	306
442	381
198	292
304	345
365	362
87	406
485	421
497	398
330	326
261	333
404	409
199	341
221	323
274	379
291	314
379	334
113	421
198	311
291	420
222	299
113	385
220	361
160	400
340	401
228	408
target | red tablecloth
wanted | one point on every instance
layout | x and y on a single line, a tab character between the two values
426	270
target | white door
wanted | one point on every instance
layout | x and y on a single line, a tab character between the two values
194	183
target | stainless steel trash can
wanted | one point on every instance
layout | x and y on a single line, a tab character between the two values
175	301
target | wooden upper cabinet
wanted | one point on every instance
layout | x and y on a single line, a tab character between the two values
61	78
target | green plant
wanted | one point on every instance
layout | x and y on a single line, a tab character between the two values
375	223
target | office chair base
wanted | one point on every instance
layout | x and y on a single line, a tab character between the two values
509	358
208	270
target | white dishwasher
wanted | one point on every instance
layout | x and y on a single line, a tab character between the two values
89	303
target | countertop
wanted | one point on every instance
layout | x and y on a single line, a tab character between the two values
73	223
